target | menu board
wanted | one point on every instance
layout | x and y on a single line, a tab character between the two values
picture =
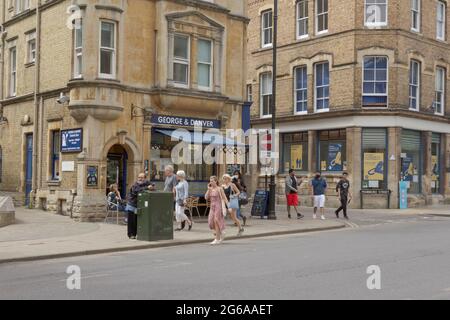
261	204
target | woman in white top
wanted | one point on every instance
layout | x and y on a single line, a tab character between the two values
181	191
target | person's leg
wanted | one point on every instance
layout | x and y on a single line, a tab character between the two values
344	207
244	218
236	221
338	210
289	211
322	207
218	232
316	206
132	224
185	218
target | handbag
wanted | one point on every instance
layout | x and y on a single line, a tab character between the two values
224	207
243	198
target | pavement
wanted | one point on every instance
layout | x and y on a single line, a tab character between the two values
39	235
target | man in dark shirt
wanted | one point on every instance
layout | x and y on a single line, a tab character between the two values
141	185
343	191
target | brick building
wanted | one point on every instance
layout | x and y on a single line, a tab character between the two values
91	91
362	86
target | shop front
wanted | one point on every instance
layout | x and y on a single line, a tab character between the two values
172	137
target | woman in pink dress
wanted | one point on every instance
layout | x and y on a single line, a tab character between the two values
216	219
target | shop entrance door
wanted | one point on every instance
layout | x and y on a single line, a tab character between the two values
117	169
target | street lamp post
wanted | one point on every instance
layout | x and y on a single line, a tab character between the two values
272	213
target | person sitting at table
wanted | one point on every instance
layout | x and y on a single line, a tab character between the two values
115	201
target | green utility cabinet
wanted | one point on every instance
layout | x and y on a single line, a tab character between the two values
155	216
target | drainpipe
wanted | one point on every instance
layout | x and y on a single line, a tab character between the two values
37	104
2	61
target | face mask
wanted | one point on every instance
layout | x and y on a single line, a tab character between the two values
318	176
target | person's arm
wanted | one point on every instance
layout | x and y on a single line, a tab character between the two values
235	189
186	191
224	196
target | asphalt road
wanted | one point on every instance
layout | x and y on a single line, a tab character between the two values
413	254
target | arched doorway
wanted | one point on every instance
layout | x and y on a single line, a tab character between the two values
117	169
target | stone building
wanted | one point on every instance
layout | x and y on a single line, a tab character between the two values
362	86
91	91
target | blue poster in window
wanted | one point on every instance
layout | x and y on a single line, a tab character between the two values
335	157
72	140
407	169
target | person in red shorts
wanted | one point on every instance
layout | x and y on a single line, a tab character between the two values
292	184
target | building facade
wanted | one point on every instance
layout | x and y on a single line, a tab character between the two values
362	87
92	91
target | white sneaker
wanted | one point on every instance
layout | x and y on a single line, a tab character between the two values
314	217
323	218
215	242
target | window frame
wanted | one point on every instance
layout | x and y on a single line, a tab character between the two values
112	50
263	29
13	72
376	24
442	5
417	86
211	65
180	60
374	81
316	87
302	20
297	90
78	52
249	92
262	95
440	91
30	51
416	13
318	16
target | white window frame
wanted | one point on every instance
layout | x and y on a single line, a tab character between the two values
412	64
211	65
180	60
13	72
263	28
30	51
78	52
296	91
416	15
113	50
377	23
440	89
441	5
249	93
262	95
325	13
375	94
21	5
317	87
302	20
